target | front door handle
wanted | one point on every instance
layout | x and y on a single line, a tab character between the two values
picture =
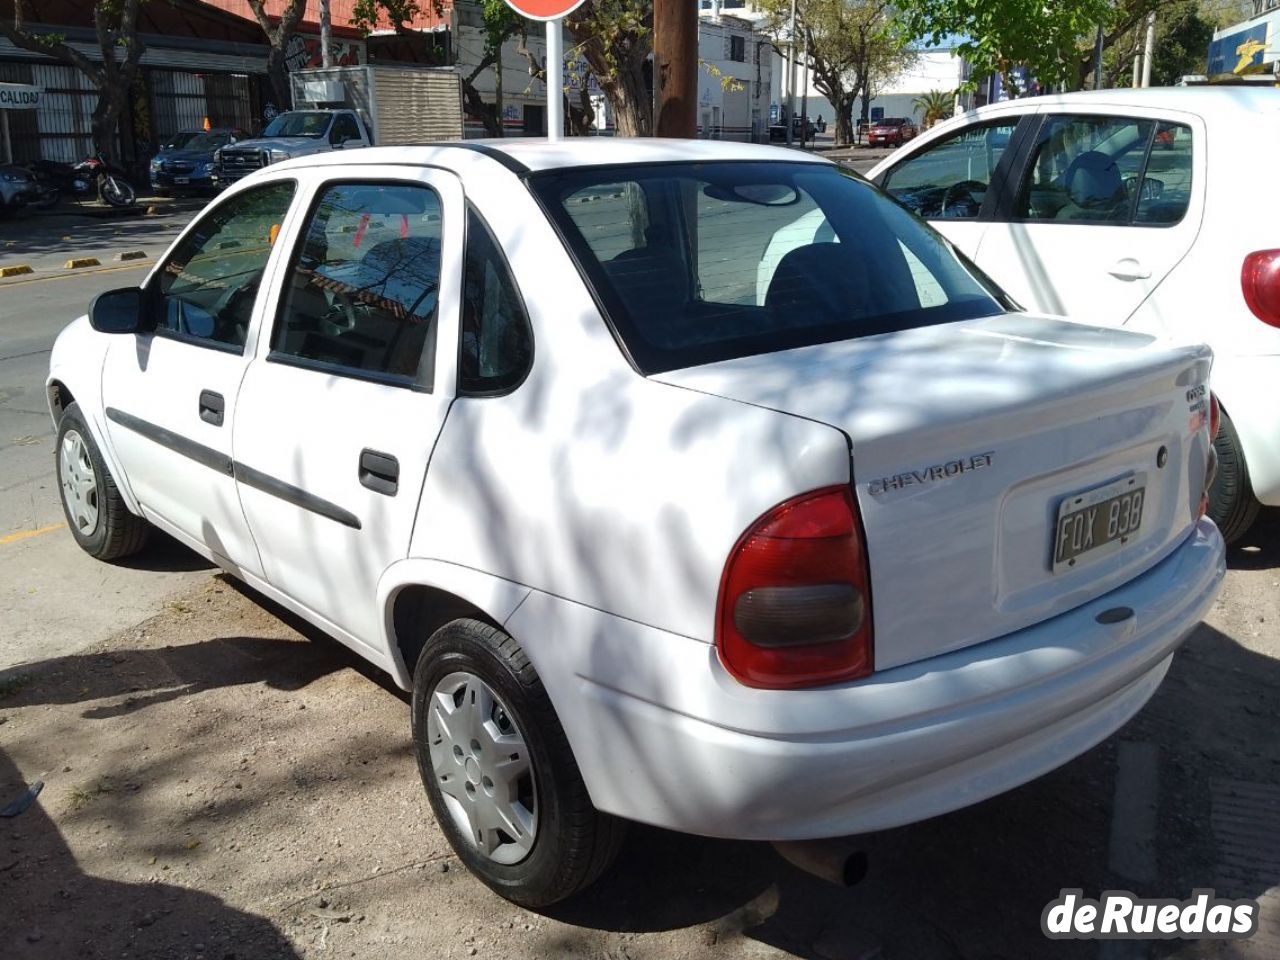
380	472
212	407
1129	269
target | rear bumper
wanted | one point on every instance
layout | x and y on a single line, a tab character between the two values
663	736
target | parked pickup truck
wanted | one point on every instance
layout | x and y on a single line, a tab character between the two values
297	133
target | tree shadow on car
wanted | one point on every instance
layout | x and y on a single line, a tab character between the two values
107	918
1259	548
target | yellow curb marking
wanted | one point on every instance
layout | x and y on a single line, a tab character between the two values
74	276
28	534
79	262
15	271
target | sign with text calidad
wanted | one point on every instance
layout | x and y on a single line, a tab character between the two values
19	96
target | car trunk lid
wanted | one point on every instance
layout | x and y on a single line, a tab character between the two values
971	440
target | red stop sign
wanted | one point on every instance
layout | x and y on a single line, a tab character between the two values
544	9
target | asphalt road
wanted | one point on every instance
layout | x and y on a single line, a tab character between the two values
53	598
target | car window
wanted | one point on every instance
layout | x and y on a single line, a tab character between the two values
949	179
702	262
208	286
344	129
1107	170
363	292
497	343
1165	192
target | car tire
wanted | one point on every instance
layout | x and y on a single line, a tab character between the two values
91	502
474	683
1232	505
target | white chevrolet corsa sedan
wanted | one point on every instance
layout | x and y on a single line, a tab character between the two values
652	529
1142	209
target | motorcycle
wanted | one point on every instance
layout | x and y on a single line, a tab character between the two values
94	177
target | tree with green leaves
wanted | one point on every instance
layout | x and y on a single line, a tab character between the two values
1179	25
277	36
850	46
615	38
120	47
1000	35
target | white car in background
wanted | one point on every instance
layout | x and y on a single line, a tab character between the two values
1152	210
509	421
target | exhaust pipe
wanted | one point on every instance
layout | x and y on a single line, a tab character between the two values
839	861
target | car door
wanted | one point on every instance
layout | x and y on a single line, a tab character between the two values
341	409
949	182
1104	207
170	394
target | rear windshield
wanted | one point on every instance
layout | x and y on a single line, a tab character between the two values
695	263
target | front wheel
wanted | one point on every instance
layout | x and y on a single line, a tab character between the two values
1232	505
91	502
498	770
116	192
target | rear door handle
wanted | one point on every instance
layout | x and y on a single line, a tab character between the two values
212	407
380	472
1129	269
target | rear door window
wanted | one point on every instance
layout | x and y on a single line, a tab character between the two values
364	287
1116	171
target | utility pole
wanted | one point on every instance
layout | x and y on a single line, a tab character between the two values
1097	60
1149	49
804	98
675	54
791	75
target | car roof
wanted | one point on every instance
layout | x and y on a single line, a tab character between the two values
1201	100
534	154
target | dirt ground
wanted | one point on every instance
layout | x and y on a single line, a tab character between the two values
222	782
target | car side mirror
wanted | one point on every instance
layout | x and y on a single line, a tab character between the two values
118	311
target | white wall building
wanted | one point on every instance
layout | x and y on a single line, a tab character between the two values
734	80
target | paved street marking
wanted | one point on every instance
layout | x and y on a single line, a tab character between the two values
16	271
80	263
28	534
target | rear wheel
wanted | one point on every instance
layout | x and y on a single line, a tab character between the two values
498	770
91	502
1232	505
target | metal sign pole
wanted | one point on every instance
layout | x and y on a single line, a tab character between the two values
4	130
555	80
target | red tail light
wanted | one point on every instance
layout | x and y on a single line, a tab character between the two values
1260	280
795	600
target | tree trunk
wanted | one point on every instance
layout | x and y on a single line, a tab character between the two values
106	115
844	121
632	105
487	112
278	74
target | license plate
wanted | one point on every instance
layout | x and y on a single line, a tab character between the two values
181	179
1098	521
